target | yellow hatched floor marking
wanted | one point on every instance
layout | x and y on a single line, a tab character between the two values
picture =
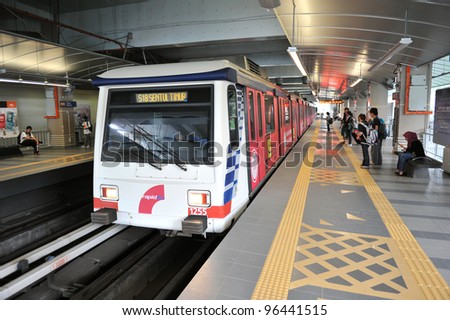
428	278
355	263
334	177
275	278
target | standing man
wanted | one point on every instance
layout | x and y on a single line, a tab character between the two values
377	159
87	129
329	121
348	125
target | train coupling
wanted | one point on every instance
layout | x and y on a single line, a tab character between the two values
194	224
104	216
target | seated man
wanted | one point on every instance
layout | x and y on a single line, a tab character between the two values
28	140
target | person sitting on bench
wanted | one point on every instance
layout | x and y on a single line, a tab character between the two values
28	140
412	150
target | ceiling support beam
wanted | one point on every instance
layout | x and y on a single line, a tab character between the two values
62	25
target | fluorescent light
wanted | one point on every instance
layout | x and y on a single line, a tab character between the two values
392	52
21	81
294	56
356	82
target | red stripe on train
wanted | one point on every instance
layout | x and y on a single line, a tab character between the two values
99	203
219	212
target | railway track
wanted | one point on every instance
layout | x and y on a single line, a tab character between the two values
37	209
49	250
97	262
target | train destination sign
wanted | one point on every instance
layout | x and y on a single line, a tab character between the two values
159	97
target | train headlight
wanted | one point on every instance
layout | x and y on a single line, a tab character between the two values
110	193
199	198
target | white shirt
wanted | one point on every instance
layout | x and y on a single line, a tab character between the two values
24	135
86	125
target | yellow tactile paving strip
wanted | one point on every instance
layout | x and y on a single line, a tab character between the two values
425	273
275	277
392	268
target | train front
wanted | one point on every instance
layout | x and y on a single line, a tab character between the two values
159	156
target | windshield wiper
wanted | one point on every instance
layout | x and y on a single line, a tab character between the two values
170	152
153	164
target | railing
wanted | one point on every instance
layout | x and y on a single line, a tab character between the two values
433	150
41	135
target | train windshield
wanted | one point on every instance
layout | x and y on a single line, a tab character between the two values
159	126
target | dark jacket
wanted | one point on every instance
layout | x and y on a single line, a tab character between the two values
416	149
363	130
348	122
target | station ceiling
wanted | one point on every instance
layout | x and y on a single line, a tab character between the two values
338	41
36	60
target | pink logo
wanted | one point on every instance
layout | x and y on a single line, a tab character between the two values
150	198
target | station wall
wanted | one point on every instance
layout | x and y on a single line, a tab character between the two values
30	101
378	98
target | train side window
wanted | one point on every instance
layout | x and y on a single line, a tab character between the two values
270	116
252	115
287	112
233	121
260	121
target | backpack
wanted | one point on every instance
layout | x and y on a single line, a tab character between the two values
382	132
18	138
372	135
330	120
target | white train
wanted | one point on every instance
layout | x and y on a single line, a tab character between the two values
183	147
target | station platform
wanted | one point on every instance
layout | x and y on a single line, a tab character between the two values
50	158
323	228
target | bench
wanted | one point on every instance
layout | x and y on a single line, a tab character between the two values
10	151
416	165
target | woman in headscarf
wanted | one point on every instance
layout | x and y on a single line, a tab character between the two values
413	149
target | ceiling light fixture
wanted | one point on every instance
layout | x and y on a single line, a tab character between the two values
360	78
21	81
354	83
404	42
294	56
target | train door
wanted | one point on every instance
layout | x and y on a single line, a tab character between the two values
305	117
262	139
271	131
294	105
287	123
291	121
300	119
281	129
255	148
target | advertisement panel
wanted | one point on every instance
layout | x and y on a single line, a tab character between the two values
441	134
9	126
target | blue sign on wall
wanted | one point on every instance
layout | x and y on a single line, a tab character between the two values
68	104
